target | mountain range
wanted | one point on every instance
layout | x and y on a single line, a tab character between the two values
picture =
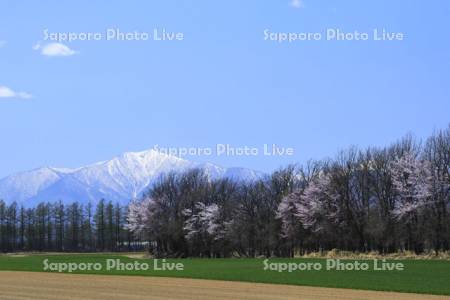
120	179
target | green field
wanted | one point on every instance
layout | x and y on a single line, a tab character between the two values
419	276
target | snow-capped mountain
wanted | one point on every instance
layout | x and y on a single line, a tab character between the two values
119	179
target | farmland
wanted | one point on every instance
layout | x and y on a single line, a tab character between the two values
410	280
32	285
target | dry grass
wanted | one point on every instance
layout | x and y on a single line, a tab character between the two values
135	255
335	253
371	255
29	285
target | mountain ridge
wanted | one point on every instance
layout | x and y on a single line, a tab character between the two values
119	179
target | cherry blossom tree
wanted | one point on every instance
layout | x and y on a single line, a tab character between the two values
411	179
202	226
287	213
138	215
318	204
203	221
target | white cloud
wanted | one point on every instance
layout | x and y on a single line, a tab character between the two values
6	92
2	43
54	49
297	4
24	95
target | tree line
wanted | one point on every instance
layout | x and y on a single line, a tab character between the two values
390	199
60	227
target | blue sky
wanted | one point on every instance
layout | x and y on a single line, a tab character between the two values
222	84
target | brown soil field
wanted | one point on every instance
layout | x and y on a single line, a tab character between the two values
29	285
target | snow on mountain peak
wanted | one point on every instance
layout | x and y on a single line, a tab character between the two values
120	179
